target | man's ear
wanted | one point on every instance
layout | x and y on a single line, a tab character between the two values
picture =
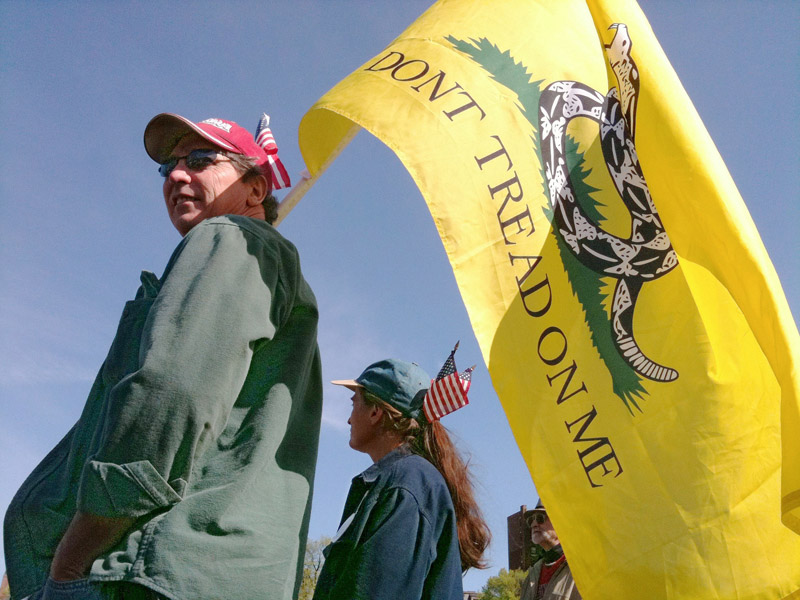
375	415
258	190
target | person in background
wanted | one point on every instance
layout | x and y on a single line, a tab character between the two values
410	525
189	473
549	578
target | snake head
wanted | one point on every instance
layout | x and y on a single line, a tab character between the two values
620	46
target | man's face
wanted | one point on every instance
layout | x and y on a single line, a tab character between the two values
543	534
362	423
193	196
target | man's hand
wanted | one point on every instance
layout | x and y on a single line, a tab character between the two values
5	593
86	538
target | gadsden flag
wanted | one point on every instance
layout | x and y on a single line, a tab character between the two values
634	328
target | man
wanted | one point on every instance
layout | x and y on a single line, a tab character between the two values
189	472
549	578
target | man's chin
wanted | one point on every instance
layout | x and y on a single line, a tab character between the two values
185	223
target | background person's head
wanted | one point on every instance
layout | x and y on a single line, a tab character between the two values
542	532
212	168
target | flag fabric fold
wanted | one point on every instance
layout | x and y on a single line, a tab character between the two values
634	328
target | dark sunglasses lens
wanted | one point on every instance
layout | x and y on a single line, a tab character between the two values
166	168
540	518
196	160
200	159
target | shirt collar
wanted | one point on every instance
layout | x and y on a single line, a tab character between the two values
371	474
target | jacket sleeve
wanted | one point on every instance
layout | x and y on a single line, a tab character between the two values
392	555
197	340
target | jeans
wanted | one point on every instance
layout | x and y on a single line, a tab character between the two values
80	589
83	589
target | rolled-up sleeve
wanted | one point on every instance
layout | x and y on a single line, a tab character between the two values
217	301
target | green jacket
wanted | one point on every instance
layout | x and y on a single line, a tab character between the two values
202	424
560	587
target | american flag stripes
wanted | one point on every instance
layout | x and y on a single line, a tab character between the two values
466	378
448	392
265	139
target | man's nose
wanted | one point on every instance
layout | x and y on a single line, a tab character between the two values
180	172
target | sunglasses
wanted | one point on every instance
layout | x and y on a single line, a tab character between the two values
196	160
538	517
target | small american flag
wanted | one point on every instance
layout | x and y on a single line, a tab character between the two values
448	392
265	139
466	378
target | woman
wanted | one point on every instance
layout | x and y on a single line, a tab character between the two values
410	525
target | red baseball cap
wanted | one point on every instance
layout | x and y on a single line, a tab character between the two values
164	131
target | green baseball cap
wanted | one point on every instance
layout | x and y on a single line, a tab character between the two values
400	384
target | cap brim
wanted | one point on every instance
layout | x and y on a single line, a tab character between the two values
348	383
164	131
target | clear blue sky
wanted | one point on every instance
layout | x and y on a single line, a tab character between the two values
83	213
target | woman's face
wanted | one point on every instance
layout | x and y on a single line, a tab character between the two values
363	424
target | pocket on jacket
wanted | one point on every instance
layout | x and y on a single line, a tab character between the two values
123	357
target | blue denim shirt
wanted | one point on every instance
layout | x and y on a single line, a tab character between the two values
397	537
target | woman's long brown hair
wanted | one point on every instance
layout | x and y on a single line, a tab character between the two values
432	442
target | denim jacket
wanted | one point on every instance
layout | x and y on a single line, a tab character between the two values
397	537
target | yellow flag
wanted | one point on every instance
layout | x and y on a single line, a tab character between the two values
634	328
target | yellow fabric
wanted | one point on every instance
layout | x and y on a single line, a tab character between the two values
658	489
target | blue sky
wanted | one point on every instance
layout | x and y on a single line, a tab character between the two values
83	213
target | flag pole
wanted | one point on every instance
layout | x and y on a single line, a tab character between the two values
307	180
294	196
